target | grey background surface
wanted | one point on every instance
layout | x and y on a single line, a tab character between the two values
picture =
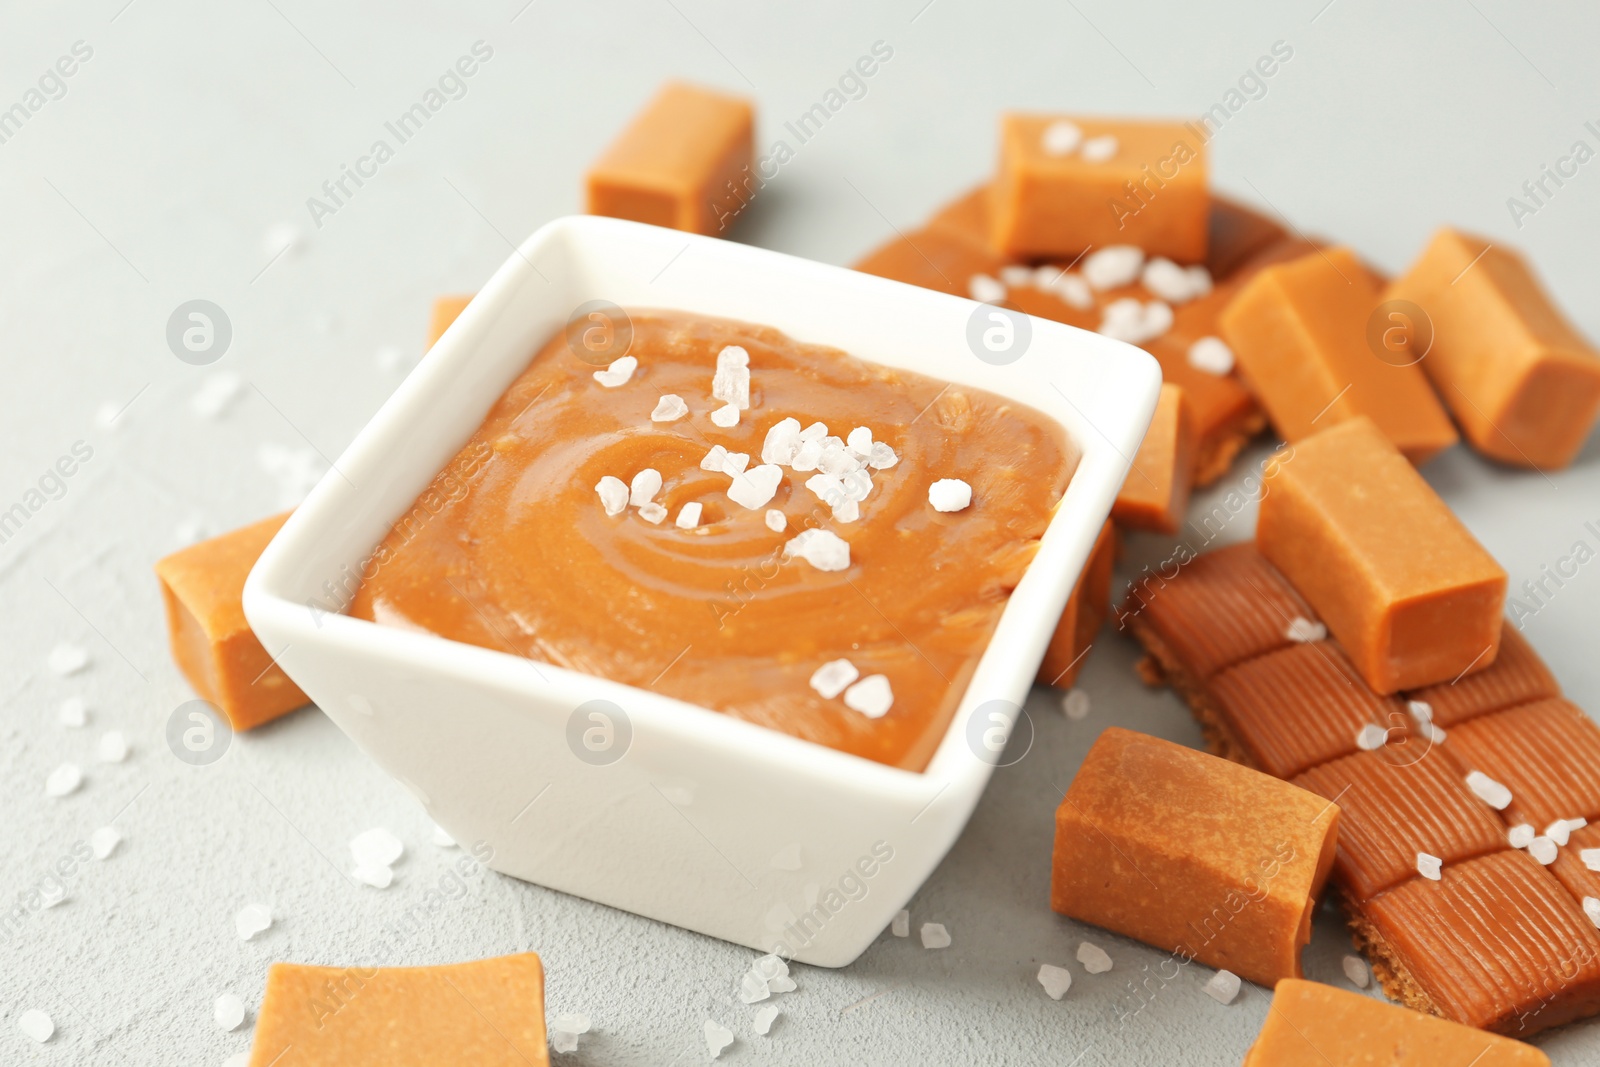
196	129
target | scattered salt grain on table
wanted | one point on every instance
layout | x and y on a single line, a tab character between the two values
718	1037
1371	737
1075	705
252	919
67	659
1355	969
644	487
900	925
727	416
74	712
669	408
1543	849
934	935
1222	987
113	747
53	894
1212	355
1429	866
752	988
832	677
872	696
228	1011
823	549
63	781
1113	266
764	1020
238	1059
1060	138
1099	149
777	522
949	494
104	841
566	1028
985	290
617	373
689	515
376	847
1093	958
1488	790
1056	980
373	876
1303	631
37	1025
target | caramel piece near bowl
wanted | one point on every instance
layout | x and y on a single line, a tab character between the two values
1546	753
1192	854
1404	586
1149	191
1520	380
486	1012
933	258
446	310
1299	333
1085	613
682	163
203	589
1155	494
1314	1025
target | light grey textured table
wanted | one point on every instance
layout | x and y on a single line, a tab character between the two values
155	174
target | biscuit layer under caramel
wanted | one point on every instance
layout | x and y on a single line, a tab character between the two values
511	549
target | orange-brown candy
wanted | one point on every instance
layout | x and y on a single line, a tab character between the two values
1395	804
487	1012
1085	613
1155	493
684	162
967	216
446	310
1192	854
1496	943
1521	381
1517	676
1236	233
1404	586
213	645
1150	191
1315	1025
932	258
1299	333
1547	753
1580	879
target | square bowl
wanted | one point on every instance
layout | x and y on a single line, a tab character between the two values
628	797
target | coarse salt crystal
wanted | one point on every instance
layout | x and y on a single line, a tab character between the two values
653	512
1129	320
104	841
838	461
847	510
67	659
1212	355
1304	631
1113	266
823	549
860	441
764	1020
715	459
828	488
731	382
1429	866
1371	737
752	988
669	408
617	373
1056	980
64	780
613	494
777	522
252	919
734	463
815	432
871	696
934	935
781	443
573	1022
1560	831
689	515
784	984
1420	710
770	967
644	487
1060	138
900	925
727	416
1015	276
1175	284
1099	149
718	1037
1075	705
755	487
1074	291
1223	987
985	290
228	1011
882	457
1590	858
1093	957
1488	790
376	847
375	876
563	1040
1355	969
113	747
1591	908
1520	835
1543	849
37	1025
949	494
833	677
808	456
74	712
1045	277
53	894
857	485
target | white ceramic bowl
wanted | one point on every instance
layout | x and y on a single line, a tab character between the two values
704	821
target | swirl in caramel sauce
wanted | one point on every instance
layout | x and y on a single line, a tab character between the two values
511	549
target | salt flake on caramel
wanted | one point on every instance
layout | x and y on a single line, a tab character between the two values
613	494
823	549
617	373
833	677
872	696
754	488
669	408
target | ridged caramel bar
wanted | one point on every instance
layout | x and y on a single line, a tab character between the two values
1299	333
1496	943
1315	1025
1394	804
1192	854
1522	383
1517	676
1547	753
1400	581
1085	613
1155	493
1581	879
683	162
932	258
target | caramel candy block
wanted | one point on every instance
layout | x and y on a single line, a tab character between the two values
1192	854
1546	753
967	217
446	309
1290	710
1395	804
1215	610
1085	613
1236	233
1520	380
1577	868
1496	943
487	1012
1155	493
1407	590
1517	676
1315	1025
934	259
684	163
1299	333
1138	183
203	587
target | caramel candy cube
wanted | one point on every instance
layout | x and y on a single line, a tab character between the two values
1085	613
1520	380
967	216
1299	333
1155	493
1546	753
487	1012
1517	676
446	309
683	163
934	259
1236	233
1192	854
1138	183
1315	1025
1577	876
1404	586
1394	804
203	587
1496	943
